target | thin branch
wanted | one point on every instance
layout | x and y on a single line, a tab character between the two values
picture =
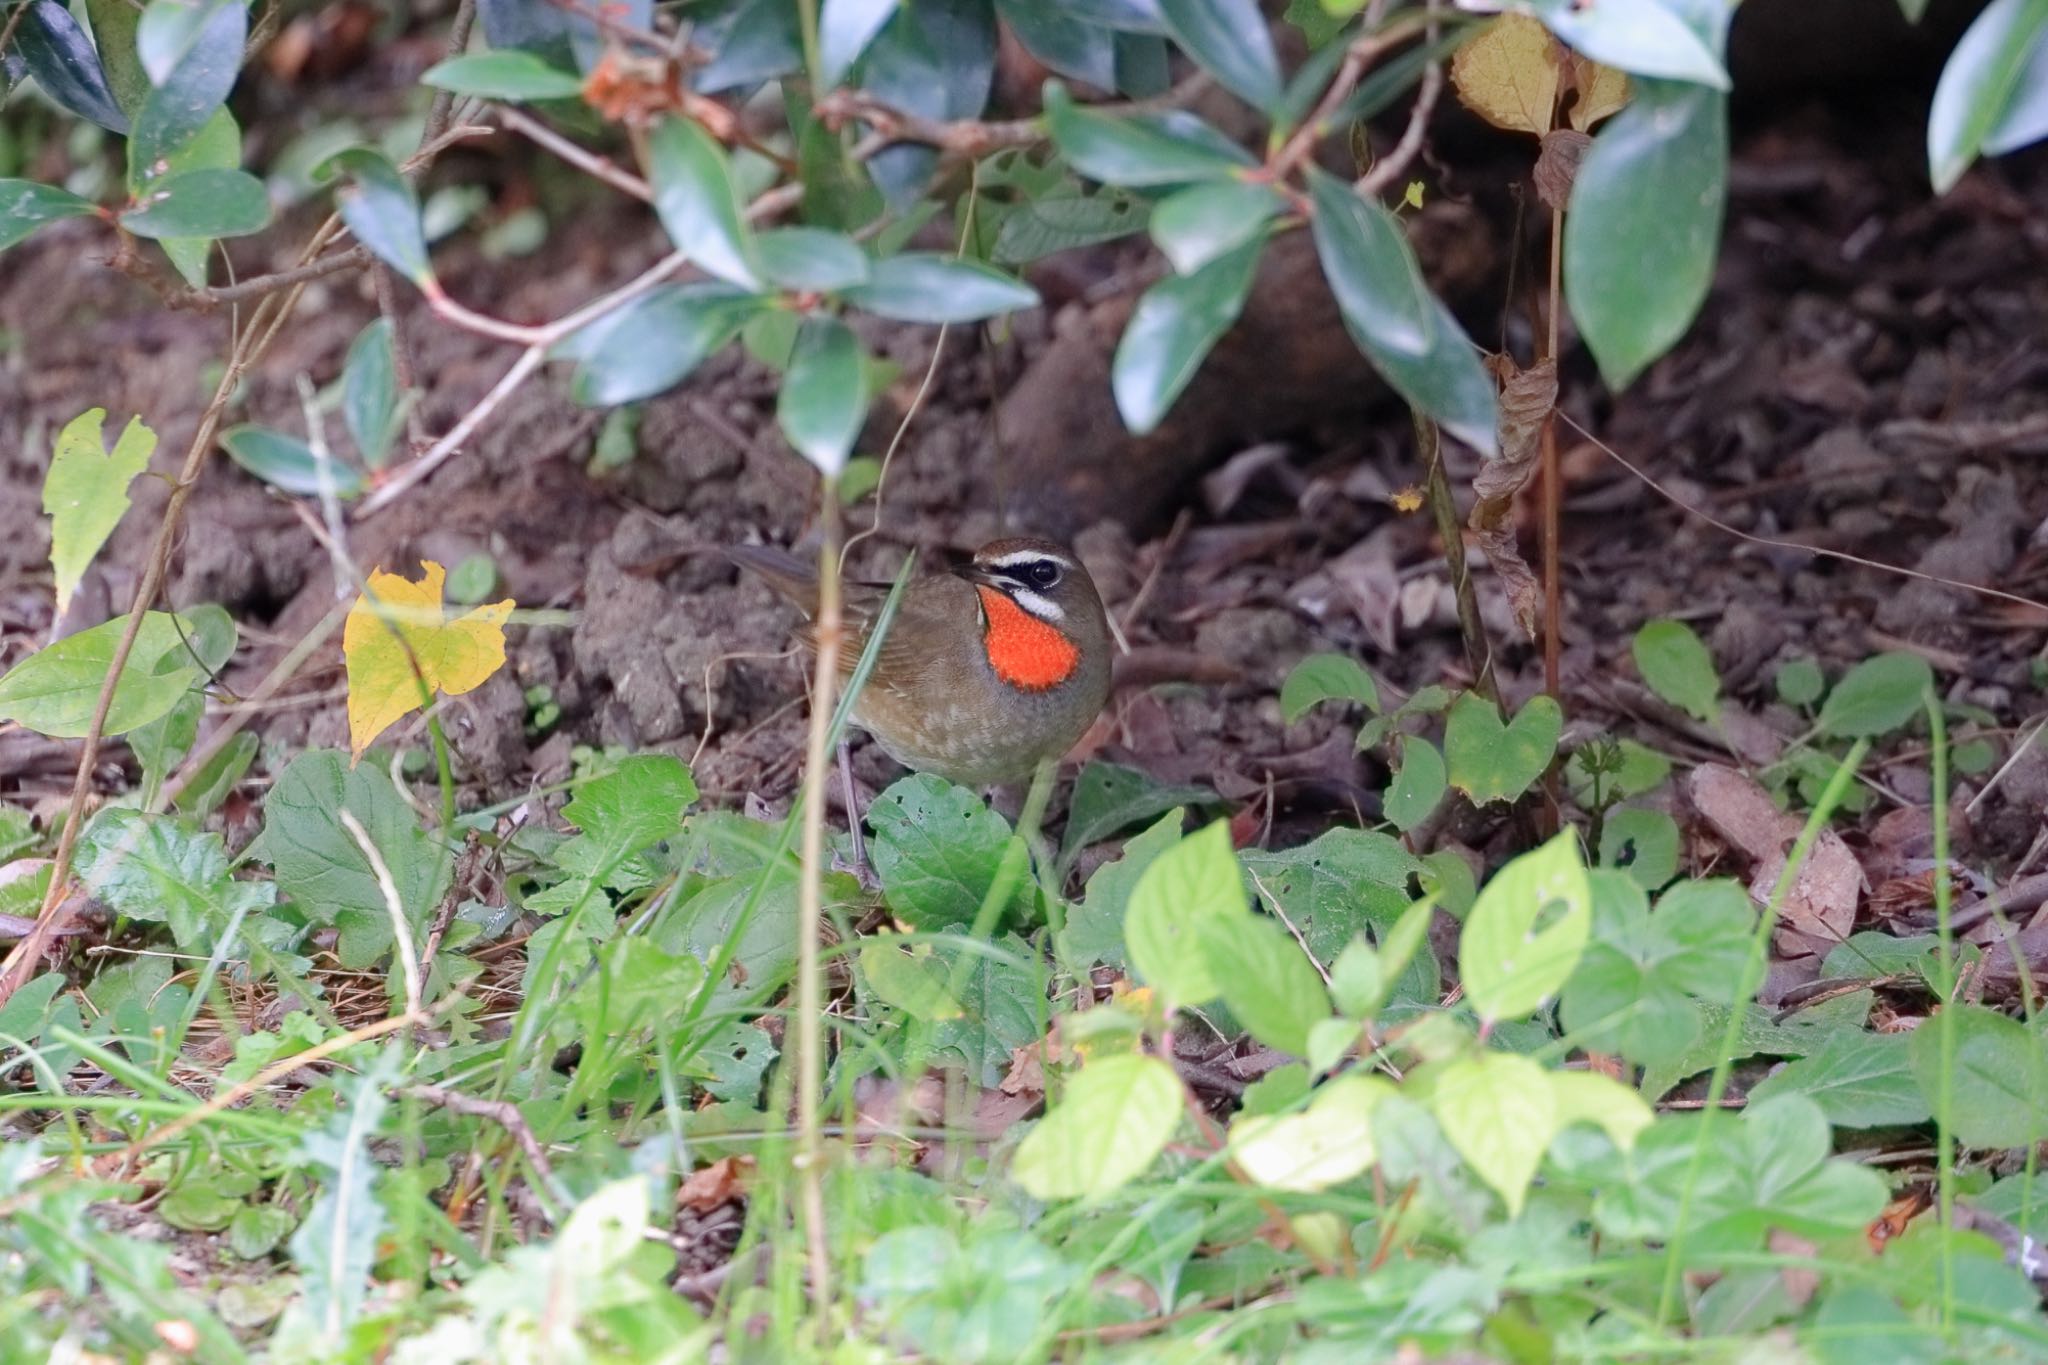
506	1115
1366	51
443	107
1395	164
582	158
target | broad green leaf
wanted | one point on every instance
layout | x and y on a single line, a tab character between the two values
1326	677
1108	798
1109	1125
1002	1008
54	690
1675	663
1229	39
926	287
1500	1112
1266	979
638	803
936	848
512	75
1326	1144
1525	934
1418	784
216	147
1402	328
2000	1081
1489	761
1068	44
1042	227
1342	883
845	28
1362	976
1800	682
698	203
59	53
288	464
1173	327
1640	770
755	41
369	392
1590	1097
813	259
156	868
1094	931
655	342
336	1246
1859	1080
1645	225
1140	150
26	206
1187	888
202	203
1877	696
1641	37
1194	226
192	52
824	399
1643	843
911	977
382	211
1981	81
85	494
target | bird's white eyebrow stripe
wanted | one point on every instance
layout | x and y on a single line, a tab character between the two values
1044	608
1015	557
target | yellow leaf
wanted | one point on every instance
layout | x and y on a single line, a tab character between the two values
1602	91
1508	75
1407	499
401	647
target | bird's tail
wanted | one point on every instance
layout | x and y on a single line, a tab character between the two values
780	570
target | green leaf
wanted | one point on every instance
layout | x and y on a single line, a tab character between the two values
1108	799
1500	1112
1644	843
935	58
1194	226
2000	1082
1800	682
1140	150
158	869
1041	227
1361	977
1636	990
192	53
503	75
1402	328
811	259
1326	1144
85	494
369	392
1173	327
324	871
336	1246
1230	41
382	211
1065	42
26	206
1187	888
217	147
1590	1097
656	341
927	287
1267	982
288	464
1675	663
1418	784
1110	1124
1877	696
936	848
255	1232
1641	37
1979	83
1525	934
202	203
698	203
845	28
1094	931
1326	677
913	978
1645	225
1490	761
1344	882
2024	120
58	52
1641	770
54	690
824	399
1859	1080
639	802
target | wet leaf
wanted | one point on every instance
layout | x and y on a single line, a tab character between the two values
60	55
1641	37
1230	41
1491	761
1194	226
1140	150
1983	85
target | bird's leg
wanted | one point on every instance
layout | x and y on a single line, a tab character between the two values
853	817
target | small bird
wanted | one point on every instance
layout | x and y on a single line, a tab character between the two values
985	671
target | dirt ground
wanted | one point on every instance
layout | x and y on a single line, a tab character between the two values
1867	376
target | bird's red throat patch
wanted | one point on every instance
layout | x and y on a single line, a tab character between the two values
1025	651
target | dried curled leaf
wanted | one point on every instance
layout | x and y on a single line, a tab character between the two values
1526	398
1515	75
1557	165
1601	91
402	647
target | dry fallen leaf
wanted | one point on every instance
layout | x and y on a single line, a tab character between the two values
1601	91
1819	909
404	641
708	1187
1526	398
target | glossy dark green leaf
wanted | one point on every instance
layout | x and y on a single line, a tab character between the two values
653	344
1645	225
935	58
698	203
845	28
287	463
811	259
1073	47
1230	41
1144	66
216	147
209	203
1126	16
1981	80
26	206
1171	330
1171	148
1641	37
1403	329
369	392
382	211
753	41
115	25
2024	120
1196	225
925	287
565	35
507	75
824	398
192	54
59	54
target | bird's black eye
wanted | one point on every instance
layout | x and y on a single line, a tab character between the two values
1042	573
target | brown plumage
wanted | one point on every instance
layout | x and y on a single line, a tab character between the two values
984	672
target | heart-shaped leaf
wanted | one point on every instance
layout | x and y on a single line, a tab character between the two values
85	494
1490	761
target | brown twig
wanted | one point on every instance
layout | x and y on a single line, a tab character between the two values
1478	652
1395	164
582	158
1365	52
506	1115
